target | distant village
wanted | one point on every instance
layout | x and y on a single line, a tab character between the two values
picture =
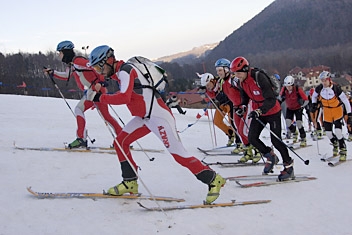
306	78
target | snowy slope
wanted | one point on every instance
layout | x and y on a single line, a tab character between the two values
323	206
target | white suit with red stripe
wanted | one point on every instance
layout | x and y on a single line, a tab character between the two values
86	78
161	122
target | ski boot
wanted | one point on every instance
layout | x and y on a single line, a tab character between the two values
320	134
349	139
288	172
239	148
214	189
314	135
272	160
303	142
335	150
295	137
343	154
288	134
124	187
231	140
248	154
257	155
78	143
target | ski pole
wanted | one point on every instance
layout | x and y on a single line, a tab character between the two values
305	161
213	140
128	160
63	97
150	159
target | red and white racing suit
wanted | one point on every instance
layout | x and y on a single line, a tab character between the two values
86	78
141	102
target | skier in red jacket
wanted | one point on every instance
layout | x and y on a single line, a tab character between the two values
296	100
266	109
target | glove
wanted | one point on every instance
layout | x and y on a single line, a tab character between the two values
104	84
349	120
240	111
255	114
314	107
97	97
202	89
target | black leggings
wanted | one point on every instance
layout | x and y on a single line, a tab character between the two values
256	128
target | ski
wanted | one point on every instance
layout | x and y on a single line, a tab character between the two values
266	183
326	159
336	162
83	150
131	148
43	195
80	150
207	151
195	206
214	153
298	147
258	177
233	164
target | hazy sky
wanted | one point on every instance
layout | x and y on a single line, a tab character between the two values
152	28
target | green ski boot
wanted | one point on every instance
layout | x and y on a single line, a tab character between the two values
124	187
78	143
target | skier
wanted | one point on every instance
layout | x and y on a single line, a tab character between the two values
85	78
213	89
232	91
161	123
316	117
332	99
349	127
266	109
174	102
296	100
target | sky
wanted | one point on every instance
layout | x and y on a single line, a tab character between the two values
321	206
153	29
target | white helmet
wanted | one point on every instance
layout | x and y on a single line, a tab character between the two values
289	81
205	78
324	75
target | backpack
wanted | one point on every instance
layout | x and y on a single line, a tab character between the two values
154	74
275	84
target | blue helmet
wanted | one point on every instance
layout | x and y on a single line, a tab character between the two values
222	63
99	54
65	45
277	76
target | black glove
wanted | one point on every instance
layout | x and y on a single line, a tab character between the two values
104	84
97	97
349	120
241	110
202	89
314	108
255	114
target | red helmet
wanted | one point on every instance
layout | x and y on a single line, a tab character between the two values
239	64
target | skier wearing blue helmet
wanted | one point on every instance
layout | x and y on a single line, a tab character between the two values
140	98
224	105
86	78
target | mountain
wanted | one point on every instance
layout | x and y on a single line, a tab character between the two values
289	33
188	56
290	24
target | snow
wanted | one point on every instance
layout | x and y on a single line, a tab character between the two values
321	206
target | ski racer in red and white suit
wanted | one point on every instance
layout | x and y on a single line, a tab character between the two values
150	114
86	78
